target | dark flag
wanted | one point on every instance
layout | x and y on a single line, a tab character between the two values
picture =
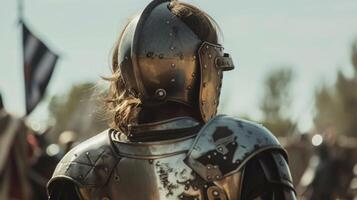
39	63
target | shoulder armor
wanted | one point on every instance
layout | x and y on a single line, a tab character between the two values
88	164
279	172
225	144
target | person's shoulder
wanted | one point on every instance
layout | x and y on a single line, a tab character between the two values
242	127
243	130
225	144
88	164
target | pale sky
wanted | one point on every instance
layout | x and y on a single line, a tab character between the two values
312	36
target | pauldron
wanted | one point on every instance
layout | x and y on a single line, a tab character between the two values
225	144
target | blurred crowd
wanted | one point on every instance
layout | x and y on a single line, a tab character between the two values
27	158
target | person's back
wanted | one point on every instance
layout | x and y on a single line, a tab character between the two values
166	141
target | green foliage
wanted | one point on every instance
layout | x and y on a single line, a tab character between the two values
336	107
78	111
354	55
276	101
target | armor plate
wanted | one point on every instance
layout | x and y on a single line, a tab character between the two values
202	166
225	144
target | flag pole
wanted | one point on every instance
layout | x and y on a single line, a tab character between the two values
20	13
20	10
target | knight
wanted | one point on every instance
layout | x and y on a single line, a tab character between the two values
166	141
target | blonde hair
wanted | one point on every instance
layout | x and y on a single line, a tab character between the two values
121	105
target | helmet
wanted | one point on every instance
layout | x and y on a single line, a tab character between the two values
161	59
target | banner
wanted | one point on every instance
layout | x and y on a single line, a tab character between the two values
39	63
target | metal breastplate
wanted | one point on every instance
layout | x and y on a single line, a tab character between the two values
156	171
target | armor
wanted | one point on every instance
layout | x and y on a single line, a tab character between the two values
171	64
204	165
161	60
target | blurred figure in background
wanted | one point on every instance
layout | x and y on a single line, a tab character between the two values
331	170
43	164
14	157
25	165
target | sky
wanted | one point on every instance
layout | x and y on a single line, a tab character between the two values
313	37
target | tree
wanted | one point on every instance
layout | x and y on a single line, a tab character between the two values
78	111
336	107
276	101
354	56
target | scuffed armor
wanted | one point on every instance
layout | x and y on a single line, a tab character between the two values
166	65
225	144
162	60
207	165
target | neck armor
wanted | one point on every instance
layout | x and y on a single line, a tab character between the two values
161	59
